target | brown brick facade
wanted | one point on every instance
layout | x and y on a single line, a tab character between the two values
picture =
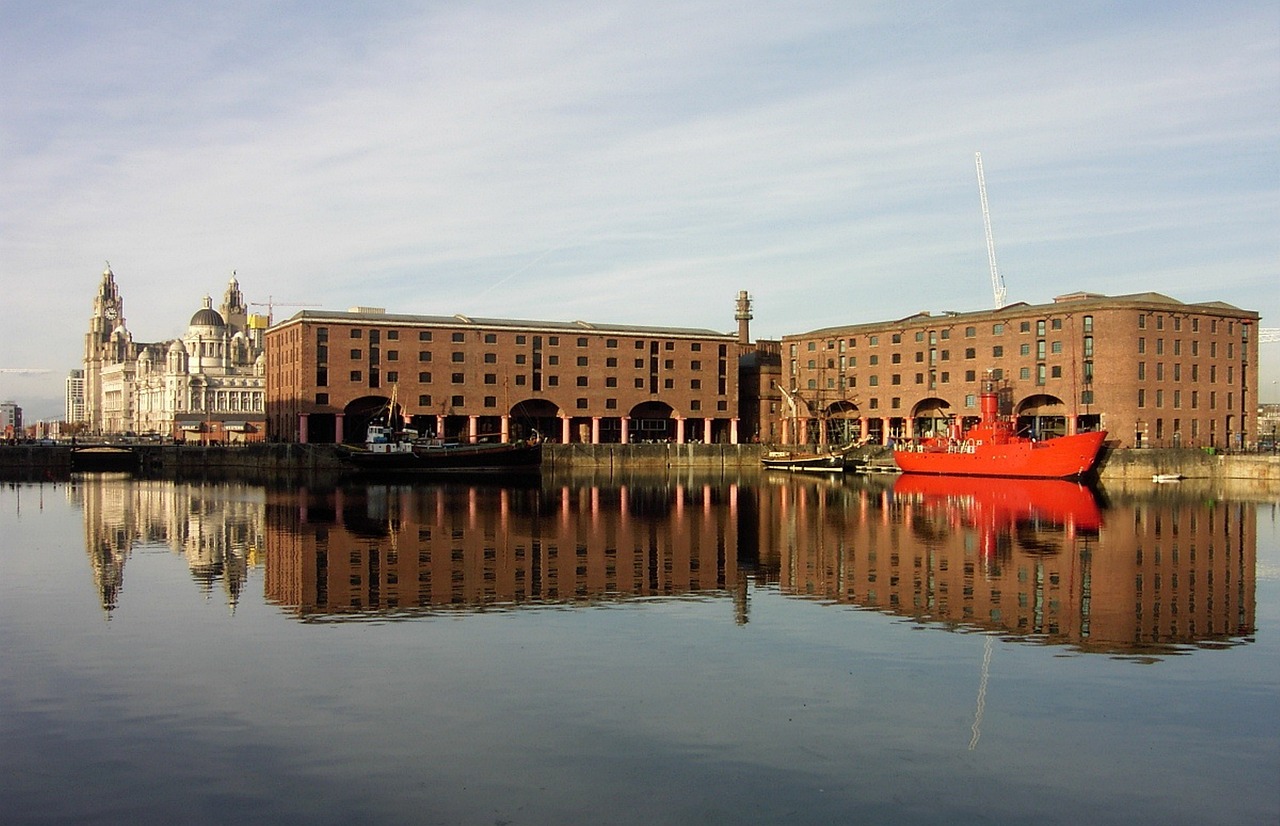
1150	370
329	373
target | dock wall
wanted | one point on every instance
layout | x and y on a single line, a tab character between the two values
281	461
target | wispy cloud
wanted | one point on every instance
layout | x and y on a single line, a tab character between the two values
578	160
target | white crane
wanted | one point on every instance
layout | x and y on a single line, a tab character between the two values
25	371
997	283
1268	335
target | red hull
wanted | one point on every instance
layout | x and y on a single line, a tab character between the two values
996	502
1061	458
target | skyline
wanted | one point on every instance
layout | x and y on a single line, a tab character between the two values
568	160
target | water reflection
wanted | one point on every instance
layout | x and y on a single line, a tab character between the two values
388	550
217	528
1036	560
1045	562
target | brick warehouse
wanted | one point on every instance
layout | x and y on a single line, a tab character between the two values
330	373
1147	368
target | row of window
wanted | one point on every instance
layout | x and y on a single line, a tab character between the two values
375	335
1176	398
425	401
1195	347
459	357
933	336
393	376
1177	372
1195	325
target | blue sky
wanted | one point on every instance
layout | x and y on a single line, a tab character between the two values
627	162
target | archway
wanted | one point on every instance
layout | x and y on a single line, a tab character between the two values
367	410
652	422
930	417
1042	416
844	423
533	415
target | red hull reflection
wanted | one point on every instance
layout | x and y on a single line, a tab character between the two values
998	505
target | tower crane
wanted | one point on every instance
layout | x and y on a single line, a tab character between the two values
997	283
1268	335
271	304
25	371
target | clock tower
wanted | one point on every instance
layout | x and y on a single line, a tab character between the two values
101	345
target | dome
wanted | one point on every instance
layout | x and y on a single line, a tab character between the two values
206	316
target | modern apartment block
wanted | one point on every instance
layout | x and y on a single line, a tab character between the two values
330	373
1147	368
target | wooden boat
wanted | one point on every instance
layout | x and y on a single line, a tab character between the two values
804	462
993	448
388	449
401	452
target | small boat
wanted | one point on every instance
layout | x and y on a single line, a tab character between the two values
400	452
388	449
1167	477
804	462
993	448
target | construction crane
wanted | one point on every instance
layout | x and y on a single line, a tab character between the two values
25	371
271	304
1269	335
997	283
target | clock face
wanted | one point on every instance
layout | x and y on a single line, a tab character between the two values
111	312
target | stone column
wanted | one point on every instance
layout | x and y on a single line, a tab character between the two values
595	430
302	428
564	429
506	427
626	430
473	428
337	428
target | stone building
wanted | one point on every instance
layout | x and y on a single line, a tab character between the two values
457	377
1147	368
207	386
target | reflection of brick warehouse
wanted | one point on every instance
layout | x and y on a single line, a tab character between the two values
1147	368
328	373
403	548
1156	574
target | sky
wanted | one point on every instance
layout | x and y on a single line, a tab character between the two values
626	162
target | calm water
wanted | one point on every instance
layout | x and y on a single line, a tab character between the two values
656	651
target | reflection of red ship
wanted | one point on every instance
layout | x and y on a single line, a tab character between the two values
1001	505
992	448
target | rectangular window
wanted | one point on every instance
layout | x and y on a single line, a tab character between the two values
997	351
424	378
393	355
424	400
424	355
356	375
458	337
356	354
393	376
456	378
356	333
424	335
490	338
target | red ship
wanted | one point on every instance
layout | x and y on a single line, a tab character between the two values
993	448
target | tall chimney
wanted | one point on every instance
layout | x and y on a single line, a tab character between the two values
743	315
